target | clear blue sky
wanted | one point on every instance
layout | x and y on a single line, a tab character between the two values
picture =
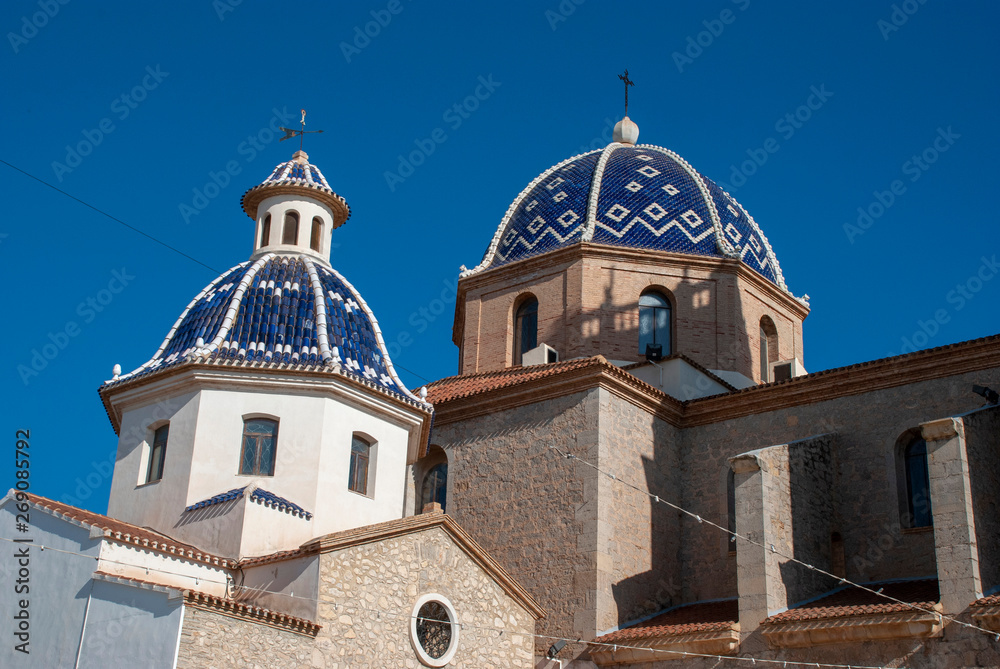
201	78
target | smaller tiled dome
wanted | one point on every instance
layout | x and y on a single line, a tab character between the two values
297	176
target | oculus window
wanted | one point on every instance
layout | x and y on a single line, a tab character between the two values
434	630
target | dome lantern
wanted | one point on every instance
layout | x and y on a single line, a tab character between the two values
295	210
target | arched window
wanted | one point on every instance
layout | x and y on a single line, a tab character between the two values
435	488
525	328
157	453
260	441
361	454
768	347
317	233
290	235
918	488
265	233
654	323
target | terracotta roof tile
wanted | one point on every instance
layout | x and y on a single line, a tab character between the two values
991	600
852	601
128	533
456	387
684	619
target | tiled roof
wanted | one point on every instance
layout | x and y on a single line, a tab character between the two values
455	387
257	495
279	310
991	600
683	619
297	173
128	533
643	197
238	608
852	601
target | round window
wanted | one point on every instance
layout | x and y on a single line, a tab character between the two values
433	630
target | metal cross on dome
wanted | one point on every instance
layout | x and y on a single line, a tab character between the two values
628	82
290	132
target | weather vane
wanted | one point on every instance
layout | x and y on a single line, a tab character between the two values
290	132
628	82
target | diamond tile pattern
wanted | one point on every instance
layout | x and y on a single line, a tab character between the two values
552	214
268	312
647	198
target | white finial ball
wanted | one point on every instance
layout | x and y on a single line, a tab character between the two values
200	343
423	393
116	371
626	131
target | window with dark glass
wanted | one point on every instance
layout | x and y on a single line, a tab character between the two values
918	486
525	328
764	371
317	234
435	486
265	233
290	234
654	323
360	457
260	440
157	453
434	629
768	348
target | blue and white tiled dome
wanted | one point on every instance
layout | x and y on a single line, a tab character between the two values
298	176
643	197
280	310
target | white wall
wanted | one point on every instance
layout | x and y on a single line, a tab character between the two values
290	578
129	626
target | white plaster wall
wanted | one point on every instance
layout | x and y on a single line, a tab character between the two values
134	562
290	586
276	206
153	504
58	589
130	627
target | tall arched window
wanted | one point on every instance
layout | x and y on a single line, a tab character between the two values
361	456
435	488
768	347
157	453
654	323
260	441
265	233
525	328
918	487
290	234
317	233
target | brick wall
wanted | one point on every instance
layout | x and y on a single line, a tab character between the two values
588	305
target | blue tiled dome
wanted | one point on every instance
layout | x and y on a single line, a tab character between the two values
280	310
297	176
642	197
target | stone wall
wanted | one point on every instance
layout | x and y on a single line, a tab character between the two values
864	470
638	565
535	512
982	439
369	592
218	641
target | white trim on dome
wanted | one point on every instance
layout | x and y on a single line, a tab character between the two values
491	251
319	300
595	190
170	335
236	301
720	239
767	245
378	337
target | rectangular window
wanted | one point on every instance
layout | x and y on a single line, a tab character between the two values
156	454
360	456
260	437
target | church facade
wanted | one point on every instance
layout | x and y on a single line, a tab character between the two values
632	467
